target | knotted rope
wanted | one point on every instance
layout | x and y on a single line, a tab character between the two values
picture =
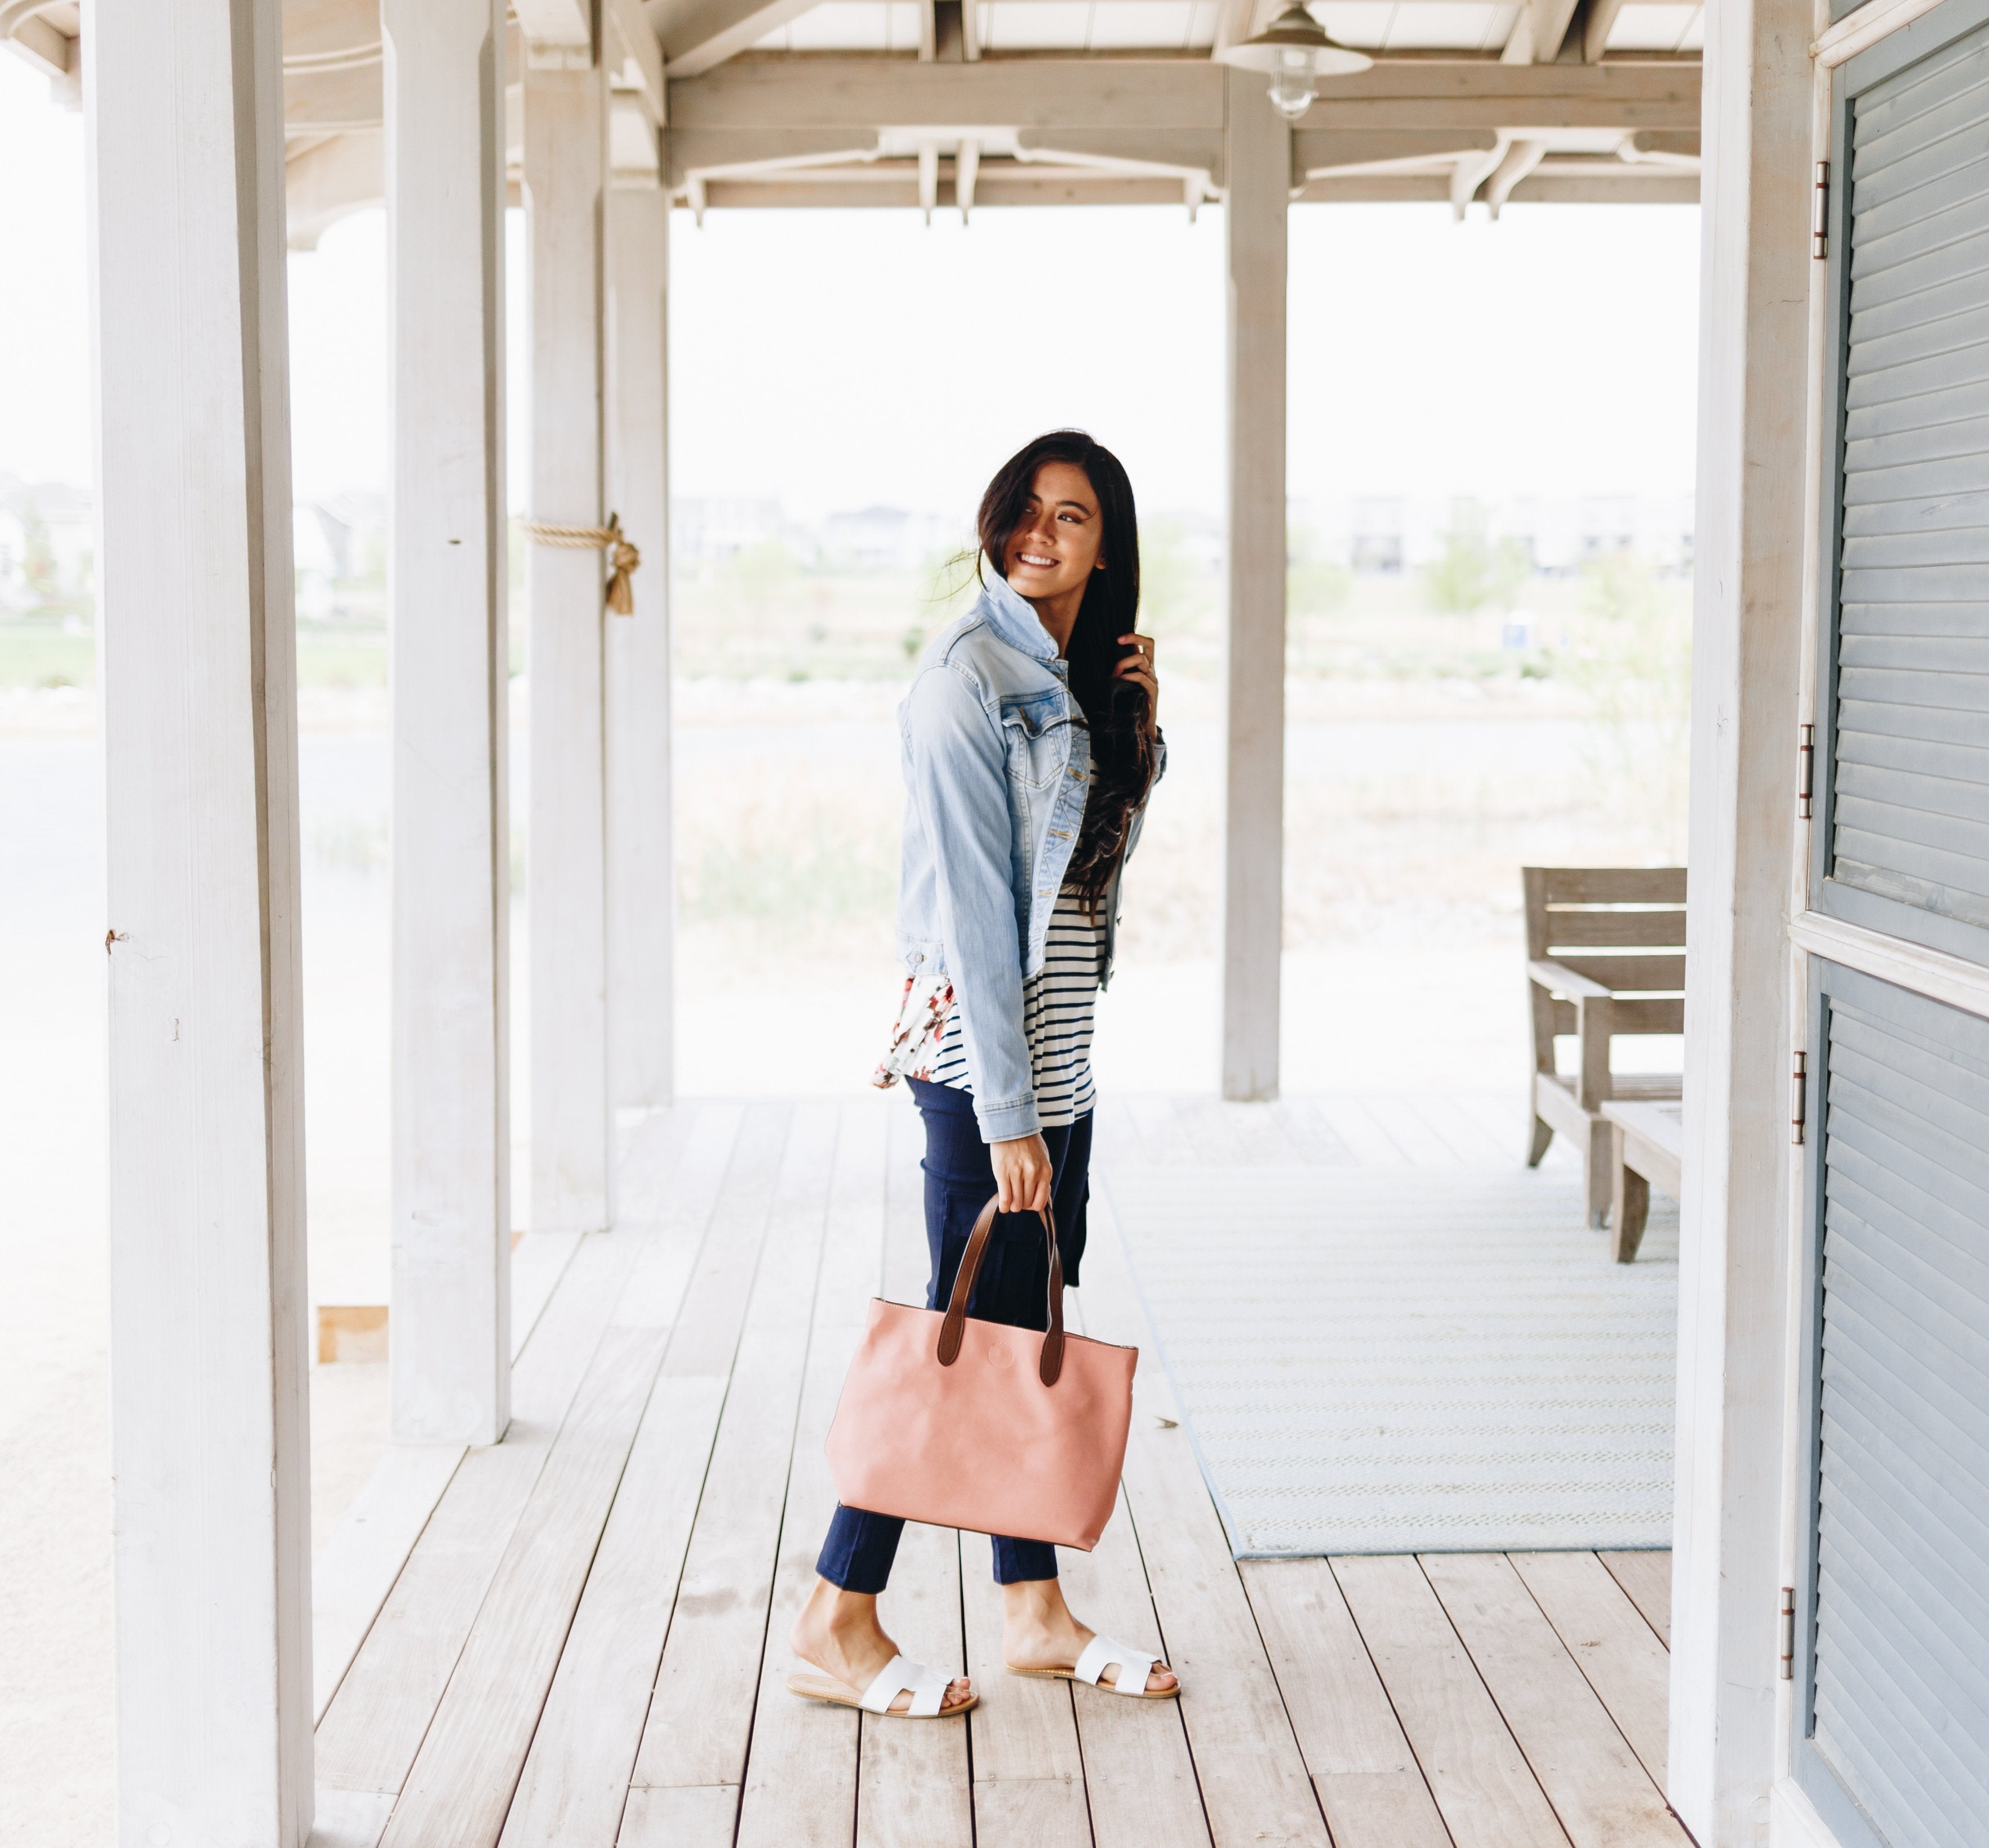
623	556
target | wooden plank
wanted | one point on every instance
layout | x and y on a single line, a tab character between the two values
696	1815
700	1714
1311	1135
1479	1777
1254	1783
1467	1137
1599	1790
1611	1644
913	1777
1613	885
1647	1578
800	1775
1140	1775
462	1778
1404	1124
1369	1784
352	1578
349	1819
914	1781
1350	1119
1029	1767
576	1775
538	1261
374	1727
1504	1116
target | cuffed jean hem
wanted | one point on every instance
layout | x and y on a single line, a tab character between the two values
857	1555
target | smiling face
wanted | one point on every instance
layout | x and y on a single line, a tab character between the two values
1054	549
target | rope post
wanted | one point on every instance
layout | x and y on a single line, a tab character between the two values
623	557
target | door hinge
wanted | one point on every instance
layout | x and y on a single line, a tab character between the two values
1805	769
1799	1114
1788	1632
1819	220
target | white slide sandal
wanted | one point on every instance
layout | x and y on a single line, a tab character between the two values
900	1675
1101	1652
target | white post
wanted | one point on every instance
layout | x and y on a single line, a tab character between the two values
1752	467
210	1425
450	1331
566	169
1259	153
642	904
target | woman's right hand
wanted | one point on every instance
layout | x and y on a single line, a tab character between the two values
1022	1174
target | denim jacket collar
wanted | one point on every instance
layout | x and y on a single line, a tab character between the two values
1014	618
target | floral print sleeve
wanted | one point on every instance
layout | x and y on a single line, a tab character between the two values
923	1012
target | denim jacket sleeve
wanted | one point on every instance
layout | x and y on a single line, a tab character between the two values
960	782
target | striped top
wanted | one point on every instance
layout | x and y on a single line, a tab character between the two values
1058	1003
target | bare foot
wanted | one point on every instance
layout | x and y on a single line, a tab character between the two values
1038	1631
838	1631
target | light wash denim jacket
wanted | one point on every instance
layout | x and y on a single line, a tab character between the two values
997	763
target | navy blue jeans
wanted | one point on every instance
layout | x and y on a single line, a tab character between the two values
1013	1287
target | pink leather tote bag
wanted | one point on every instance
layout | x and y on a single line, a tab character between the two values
962	1423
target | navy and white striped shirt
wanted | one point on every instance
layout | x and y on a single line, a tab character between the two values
1058	1003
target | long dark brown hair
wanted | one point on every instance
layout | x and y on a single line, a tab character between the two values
1123	756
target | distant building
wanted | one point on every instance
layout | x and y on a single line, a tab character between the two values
1387	533
704	534
888	538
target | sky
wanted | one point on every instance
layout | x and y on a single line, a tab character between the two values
830	360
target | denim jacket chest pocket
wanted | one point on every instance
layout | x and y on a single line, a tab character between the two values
1036	737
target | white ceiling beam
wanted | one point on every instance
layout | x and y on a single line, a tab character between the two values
1595	28
928	31
966	173
1539	28
634	39
559	34
1174	95
928	177
1472	171
698	35
57	56
1519	160
970	30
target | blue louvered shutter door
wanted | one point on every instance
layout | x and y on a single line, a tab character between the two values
1899	1659
1905	849
1891	1630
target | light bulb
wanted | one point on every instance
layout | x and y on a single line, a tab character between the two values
1292	85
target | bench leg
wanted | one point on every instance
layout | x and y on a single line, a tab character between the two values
1599	1170
1632	1207
1543	1135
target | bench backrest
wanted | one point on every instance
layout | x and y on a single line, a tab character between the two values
1621	926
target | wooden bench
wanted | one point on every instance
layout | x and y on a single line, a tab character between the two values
1605	958
1649	1139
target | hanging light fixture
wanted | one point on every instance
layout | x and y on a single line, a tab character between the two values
1296	52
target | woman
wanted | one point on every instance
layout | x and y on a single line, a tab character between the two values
1030	745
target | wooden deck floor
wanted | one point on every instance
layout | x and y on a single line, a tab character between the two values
582	1641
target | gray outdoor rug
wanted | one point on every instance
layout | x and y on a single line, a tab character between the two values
1385	1362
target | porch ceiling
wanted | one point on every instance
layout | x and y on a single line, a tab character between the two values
956	103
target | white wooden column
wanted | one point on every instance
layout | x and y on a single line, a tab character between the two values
209	1421
1259	148
450	1331
1750	546
566	169
641	903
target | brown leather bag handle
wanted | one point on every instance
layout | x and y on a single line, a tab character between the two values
953	1329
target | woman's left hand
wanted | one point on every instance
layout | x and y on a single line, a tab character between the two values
1137	666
